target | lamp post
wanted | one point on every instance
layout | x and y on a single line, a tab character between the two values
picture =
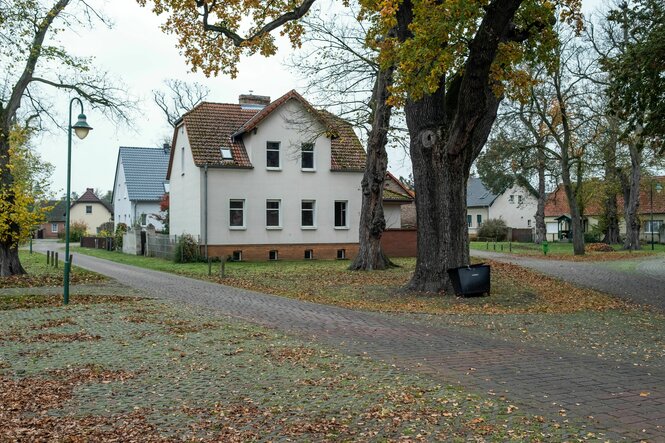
659	188
81	128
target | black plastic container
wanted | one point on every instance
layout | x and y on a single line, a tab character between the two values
471	280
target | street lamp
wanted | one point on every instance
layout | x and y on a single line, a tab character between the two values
659	188
81	128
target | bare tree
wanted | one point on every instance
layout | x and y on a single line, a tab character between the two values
178	98
30	66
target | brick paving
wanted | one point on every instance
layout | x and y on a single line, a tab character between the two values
645	285
624	400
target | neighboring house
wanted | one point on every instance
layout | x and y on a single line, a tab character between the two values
265	180
557	211
90	210
397	199
140	182
516	206
55	220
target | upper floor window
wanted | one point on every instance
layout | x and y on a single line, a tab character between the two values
307	156
340	214
237	213
307	213
272	155
511	199
273	218
520	199
88	209
144	219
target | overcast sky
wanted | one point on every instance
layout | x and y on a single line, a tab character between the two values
139	55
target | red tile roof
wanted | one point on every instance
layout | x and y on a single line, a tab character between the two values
557	204
211	126
90	197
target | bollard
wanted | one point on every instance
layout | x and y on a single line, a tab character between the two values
209	267
502	247
31	245
56	259
48	258
487	246
546	247
221	267
510	246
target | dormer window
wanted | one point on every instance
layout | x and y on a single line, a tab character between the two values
226	154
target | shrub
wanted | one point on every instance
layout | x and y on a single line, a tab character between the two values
494	228
77	230
186	250
119	232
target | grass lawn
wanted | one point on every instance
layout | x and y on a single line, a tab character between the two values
116	368
41	274
561	250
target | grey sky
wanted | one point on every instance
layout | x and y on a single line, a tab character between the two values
137	53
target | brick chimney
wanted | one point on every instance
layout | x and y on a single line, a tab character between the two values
251	101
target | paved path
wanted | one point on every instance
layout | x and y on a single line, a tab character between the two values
545	382
643	284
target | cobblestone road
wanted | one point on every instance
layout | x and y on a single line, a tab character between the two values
623	400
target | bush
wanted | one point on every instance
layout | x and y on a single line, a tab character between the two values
119	232
494	228
77	230
186	250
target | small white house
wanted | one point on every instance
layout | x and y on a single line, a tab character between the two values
262	180
140	183
516	206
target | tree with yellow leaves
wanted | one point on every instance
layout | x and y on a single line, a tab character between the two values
454	60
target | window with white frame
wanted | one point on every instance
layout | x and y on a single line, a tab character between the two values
236	214
340	214
144	219
307	214
54	227
307	156
479	219
309	254
273	216
88	209
654	227
226	153
273	254
469	219
511	199
272	155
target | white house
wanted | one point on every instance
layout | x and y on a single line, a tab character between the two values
516	206
265	180
140	183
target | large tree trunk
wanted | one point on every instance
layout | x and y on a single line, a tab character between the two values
9	260
448	129
372	221
575	213
631	199
611	233
541	227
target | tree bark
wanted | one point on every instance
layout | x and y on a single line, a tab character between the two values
448	129
611	223
372	221
541	227
630	185
10	263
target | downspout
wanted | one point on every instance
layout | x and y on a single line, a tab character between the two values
205	209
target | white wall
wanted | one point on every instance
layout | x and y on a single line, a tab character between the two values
474	212
185	189
515	214
393	214
149	209
289	184
122	207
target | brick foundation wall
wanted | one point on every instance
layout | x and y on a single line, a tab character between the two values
399	242
322	251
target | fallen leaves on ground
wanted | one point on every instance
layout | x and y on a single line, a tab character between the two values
9	302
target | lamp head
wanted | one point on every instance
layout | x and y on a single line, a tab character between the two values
81	127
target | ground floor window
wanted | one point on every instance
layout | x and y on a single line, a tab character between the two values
309	254
273	213
340	214
54	227
237	213
655	227
273	255
236	256
341	254
469	219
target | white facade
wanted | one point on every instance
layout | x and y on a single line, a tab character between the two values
517	207
129	211
286	187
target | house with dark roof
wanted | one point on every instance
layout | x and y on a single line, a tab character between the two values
54	227
267	180
140	183
91	210
516	206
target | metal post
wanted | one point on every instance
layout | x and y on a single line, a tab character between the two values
221	267
652	246
31	244
209	267
48	258
56	260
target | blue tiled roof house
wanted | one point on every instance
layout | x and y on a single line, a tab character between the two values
140	184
